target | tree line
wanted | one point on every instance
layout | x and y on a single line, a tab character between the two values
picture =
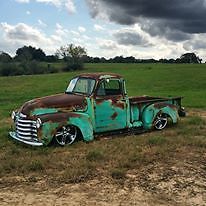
30	60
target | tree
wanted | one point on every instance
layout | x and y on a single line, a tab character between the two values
28	53
73	55
4	57
190	58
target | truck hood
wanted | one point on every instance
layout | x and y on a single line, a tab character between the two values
53	104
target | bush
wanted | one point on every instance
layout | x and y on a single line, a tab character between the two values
73	66
10	69
32	67
27	67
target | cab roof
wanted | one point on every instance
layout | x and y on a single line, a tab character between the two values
100	75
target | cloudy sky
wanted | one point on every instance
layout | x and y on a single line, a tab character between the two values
140	28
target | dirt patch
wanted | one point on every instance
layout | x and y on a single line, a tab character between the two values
180	181
95	192
197	112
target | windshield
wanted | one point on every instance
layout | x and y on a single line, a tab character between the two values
81	85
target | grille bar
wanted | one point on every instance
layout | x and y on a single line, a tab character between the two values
26	129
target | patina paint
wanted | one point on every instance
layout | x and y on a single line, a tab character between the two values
52	122
84	123
60	101
93	114
110	114
151	112
40	111
47	132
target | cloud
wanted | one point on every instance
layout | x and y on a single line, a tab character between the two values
197	43
68	4
15	36
81	29
22	1
20	32
28	12
130	37
98	27
57	3
60	31
107	44
175	20
41	23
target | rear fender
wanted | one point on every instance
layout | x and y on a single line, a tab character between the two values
52	122
150	112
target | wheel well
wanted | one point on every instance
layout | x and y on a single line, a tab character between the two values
79	134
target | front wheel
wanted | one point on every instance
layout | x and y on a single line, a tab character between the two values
160	121
66	135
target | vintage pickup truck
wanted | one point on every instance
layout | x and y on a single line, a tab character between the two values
93	103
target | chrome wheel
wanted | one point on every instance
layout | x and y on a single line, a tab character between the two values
66	135
160	121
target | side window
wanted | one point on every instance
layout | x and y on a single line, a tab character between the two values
109	87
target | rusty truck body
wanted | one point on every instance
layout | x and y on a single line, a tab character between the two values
93	103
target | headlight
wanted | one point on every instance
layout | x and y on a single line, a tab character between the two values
13	115
38	123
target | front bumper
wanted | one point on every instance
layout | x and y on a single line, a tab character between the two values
33	142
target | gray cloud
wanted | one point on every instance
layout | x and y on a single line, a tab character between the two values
195	44
130	38
173	19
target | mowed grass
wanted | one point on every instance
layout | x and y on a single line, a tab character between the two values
112	157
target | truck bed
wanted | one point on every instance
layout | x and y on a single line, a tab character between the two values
145	99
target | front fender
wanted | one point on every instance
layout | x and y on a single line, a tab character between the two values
152	110
52	122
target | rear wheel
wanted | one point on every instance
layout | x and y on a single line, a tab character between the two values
66	135
160	121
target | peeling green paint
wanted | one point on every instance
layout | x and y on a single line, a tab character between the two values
151	111
48	131
40	111
108	116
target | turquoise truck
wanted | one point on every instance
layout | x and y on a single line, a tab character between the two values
93	103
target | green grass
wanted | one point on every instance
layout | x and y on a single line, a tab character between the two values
112	157
186	80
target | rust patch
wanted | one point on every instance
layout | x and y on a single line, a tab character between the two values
115	101
58	117
99	75
66	101
164	104
119	104
114	116
144	99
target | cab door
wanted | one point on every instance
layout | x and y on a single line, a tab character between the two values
110	106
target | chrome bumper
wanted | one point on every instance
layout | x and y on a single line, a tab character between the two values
32	142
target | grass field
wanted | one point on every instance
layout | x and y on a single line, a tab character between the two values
113	158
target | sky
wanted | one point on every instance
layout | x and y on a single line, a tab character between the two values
106	28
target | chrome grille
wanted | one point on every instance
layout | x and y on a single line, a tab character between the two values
26	129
